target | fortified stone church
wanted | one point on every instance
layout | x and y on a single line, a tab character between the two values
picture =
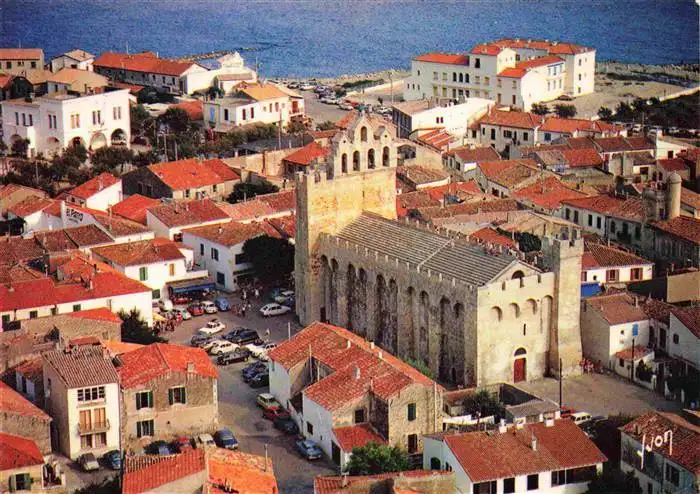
472	316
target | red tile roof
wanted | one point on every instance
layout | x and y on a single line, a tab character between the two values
134	207
620	144
308	154
142	62
554	47
181	213
447	58
682	226
343	352
415	199
547	193
486	456
13	403
690	317
438	139
454	189
572	125
363	483
637	353
191	173
99	314
617	308
94	185
233	232
285	200
356	436
118	347
512	73
579	158
472	155
690	198
147	472
157	360
605	256
602	204
82	366
9	189
486	49
467	208
193	108
539	62
18	452
490	236
685	448
286	226
30	205
234	471
253	209
156	250
21	53
516	119
224	171
32	368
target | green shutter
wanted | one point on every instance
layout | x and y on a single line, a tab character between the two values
150	399
184	395
138	429
171	398
13	484
138	402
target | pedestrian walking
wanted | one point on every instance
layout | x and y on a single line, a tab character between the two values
245	295
243	309
267	334
257	294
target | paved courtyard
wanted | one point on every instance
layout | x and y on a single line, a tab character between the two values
601	394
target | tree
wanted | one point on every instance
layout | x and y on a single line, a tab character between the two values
19	148
485	404
109	485
140	120
614	482
145	158
296	127
421	367
540	109
565	111
107	158
327	125
373	459
272	258
246	190
605	114
175	119
135	329
77	150
3	147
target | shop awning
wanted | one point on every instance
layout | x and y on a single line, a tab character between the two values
196	284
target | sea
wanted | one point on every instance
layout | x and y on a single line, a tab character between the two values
330	38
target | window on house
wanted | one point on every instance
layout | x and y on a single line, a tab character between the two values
411	411
507	134
412	443
493	134
20	482
91	394
214	188
201	249
613	227
76	307
24	119
54	311
187	193
144	399
220	278
622	362
145	428
155	293
100	439
215	254
86	441
485	487
486	81
143	273
477	63
33	314
177	395
514	99
117	112
590	220
576	217
672	474
533	482
559	477
567	213
509	485
252	113
359	415
598	222
171	269
435	463
676	339
239	259
310	428
5	319
637	232
526	136
584	276
611	275
16	118
636	274
245	114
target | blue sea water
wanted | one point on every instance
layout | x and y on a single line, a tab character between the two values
333	37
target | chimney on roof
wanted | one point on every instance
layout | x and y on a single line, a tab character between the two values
190	366
636	301
502	428
355	372
549	422
220	230
380	355
344	480
99	183
533	442
349	344
371	345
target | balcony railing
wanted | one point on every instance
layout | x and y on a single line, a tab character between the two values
93	427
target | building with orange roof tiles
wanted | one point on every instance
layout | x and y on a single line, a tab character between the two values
407	482
23	418
100	192
166	390
555	455
366	394
134	207
22	466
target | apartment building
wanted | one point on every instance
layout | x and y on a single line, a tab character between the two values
21	58
455	119
253	103
82	388
344	391
55	121
505	130
512	72
166	390
157	263
541	457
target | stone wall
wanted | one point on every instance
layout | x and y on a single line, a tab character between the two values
31	427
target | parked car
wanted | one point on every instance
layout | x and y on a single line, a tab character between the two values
209	307
345	106
284	295
214	326
247	336
181	299
240	354
183	312
565	97
286	425
224	438
212	343
88	462
566	412
199	340
307	87
580	417
113	459
253	369
266	401
182	444
223	347
257	350
195	309
293	85
235	332
291	302
222	304
309	449
205	440
275	413
260	380
269	310
159	448
277	292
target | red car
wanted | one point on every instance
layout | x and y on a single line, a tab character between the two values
180	299
567	411
195	310
274	413
182	444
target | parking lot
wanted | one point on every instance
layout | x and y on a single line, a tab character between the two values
237	408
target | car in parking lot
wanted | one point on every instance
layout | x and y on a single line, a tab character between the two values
158	448
209	307
224	438
205	440
283	295
181	444
222	348
88	462
345	106
286	425
258	350
240	354
212	327
269	310
212	343
253	369
266	401
246	337
180	299
308	449
195	309
113	459
260	380
199	340
183	312
235	332
274	413
222	304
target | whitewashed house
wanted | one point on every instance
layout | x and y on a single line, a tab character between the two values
603	264
455	119
74	59
100	192
170	219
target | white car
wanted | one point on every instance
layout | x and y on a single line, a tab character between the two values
183	312
274	310
307	87
223	347
214	326
284	295
211	344
204	440
209	307
258	350
345	106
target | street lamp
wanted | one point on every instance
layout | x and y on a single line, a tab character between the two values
391	86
